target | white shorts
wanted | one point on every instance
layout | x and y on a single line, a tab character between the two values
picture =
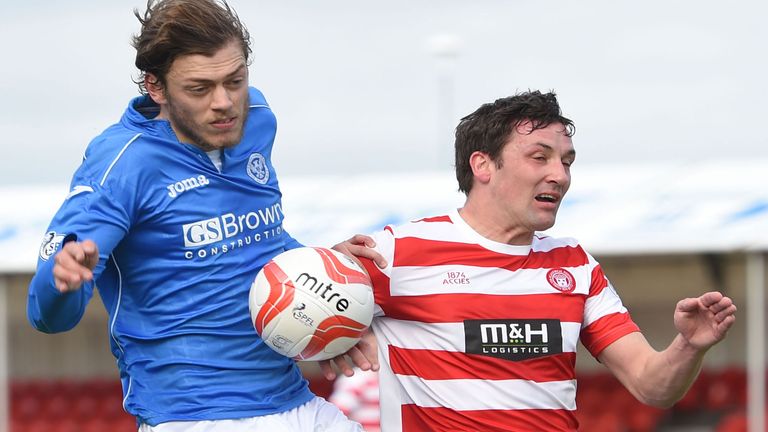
317	415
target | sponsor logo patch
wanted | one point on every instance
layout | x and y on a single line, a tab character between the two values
257	168
229	225
561	280
231	231
182	186
514	340
455	278
51	243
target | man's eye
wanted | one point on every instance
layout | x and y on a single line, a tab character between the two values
235	83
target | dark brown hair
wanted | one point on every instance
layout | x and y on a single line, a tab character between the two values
490	127
173	28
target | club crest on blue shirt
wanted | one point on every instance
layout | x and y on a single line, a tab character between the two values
50	244
257	168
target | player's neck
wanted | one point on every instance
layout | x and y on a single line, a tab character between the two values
497	227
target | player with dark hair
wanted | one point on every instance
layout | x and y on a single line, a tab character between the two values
480	313
490	126
171	214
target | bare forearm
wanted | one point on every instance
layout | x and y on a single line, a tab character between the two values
655	378
701	322
668	374
662	378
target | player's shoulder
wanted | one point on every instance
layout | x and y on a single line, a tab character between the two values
103	148
256	99
127	155
136	126
420	226
545	243
118	142
545	239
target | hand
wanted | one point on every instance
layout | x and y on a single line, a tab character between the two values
74	265
364	355
361	246
705	320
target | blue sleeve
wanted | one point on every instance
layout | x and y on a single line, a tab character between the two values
51	311
89	215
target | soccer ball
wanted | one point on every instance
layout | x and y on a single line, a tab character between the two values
311	303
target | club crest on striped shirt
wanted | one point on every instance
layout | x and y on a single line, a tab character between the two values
561	280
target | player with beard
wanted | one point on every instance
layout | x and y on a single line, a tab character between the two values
172	212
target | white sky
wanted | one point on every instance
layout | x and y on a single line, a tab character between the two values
356	89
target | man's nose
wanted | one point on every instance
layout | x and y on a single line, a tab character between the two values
559	173
221	99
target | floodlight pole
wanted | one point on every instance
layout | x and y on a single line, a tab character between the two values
755	309
445	48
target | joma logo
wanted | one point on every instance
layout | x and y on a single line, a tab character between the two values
180	187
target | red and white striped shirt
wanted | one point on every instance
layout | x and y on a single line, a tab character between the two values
476	335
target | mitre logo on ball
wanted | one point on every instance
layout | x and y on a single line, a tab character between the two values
311	303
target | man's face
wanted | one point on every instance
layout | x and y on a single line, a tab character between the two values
206	98
534	176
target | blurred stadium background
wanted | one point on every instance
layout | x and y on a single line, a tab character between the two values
661	231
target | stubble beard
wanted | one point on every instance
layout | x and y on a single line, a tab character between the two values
187	127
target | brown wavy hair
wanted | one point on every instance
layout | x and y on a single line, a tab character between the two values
173	28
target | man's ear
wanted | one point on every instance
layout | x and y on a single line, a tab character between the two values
481	165
155	89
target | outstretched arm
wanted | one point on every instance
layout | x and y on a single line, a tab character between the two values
662	378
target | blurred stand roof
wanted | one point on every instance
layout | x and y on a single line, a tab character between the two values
613	209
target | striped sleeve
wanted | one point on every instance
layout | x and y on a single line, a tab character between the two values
380	278
605	317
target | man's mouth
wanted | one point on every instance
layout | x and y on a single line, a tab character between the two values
548	198
224	122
